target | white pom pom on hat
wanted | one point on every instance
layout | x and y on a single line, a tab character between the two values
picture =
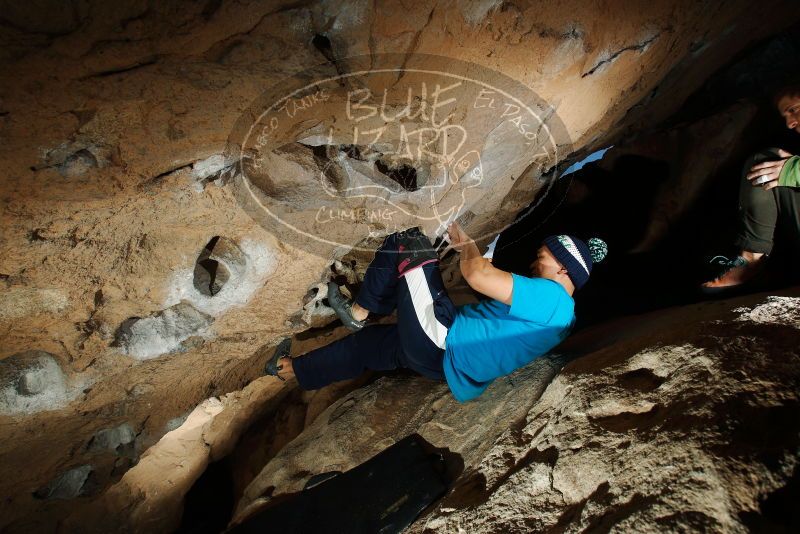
597	248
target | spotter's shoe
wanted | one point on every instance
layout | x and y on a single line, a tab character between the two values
343	308
735	273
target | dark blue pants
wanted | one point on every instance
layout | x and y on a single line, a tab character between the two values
424	313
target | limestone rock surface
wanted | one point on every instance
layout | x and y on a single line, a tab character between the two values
663	423
125	253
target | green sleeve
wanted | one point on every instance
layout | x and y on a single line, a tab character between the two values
790	174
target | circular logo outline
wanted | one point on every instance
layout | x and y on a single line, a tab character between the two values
546	124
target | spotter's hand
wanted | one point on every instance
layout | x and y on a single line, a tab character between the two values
770	169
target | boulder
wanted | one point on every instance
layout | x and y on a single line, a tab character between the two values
662	422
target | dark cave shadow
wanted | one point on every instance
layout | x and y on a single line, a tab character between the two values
616	207
384	494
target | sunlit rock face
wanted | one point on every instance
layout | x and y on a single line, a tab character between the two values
129	254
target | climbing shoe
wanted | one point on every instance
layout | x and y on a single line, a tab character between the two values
414	250
281	351
734	273
343	308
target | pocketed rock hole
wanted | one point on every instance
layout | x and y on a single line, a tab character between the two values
323	44
403	174
120	440
78	163
209	274
68	485
31	381
160	333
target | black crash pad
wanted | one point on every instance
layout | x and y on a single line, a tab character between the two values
385	494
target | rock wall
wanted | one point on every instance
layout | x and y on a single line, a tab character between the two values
126	258
660	423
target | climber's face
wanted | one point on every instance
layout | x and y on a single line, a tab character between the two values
789	107
545	265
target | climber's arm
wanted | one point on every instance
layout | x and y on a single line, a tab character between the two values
478	271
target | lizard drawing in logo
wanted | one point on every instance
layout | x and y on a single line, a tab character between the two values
432	187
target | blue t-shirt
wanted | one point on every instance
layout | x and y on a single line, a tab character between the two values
489	339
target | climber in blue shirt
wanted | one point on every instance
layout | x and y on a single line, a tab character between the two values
468	346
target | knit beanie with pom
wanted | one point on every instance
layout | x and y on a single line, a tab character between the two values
576	255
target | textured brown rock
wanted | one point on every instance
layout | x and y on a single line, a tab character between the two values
114	120
148	495
663	423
